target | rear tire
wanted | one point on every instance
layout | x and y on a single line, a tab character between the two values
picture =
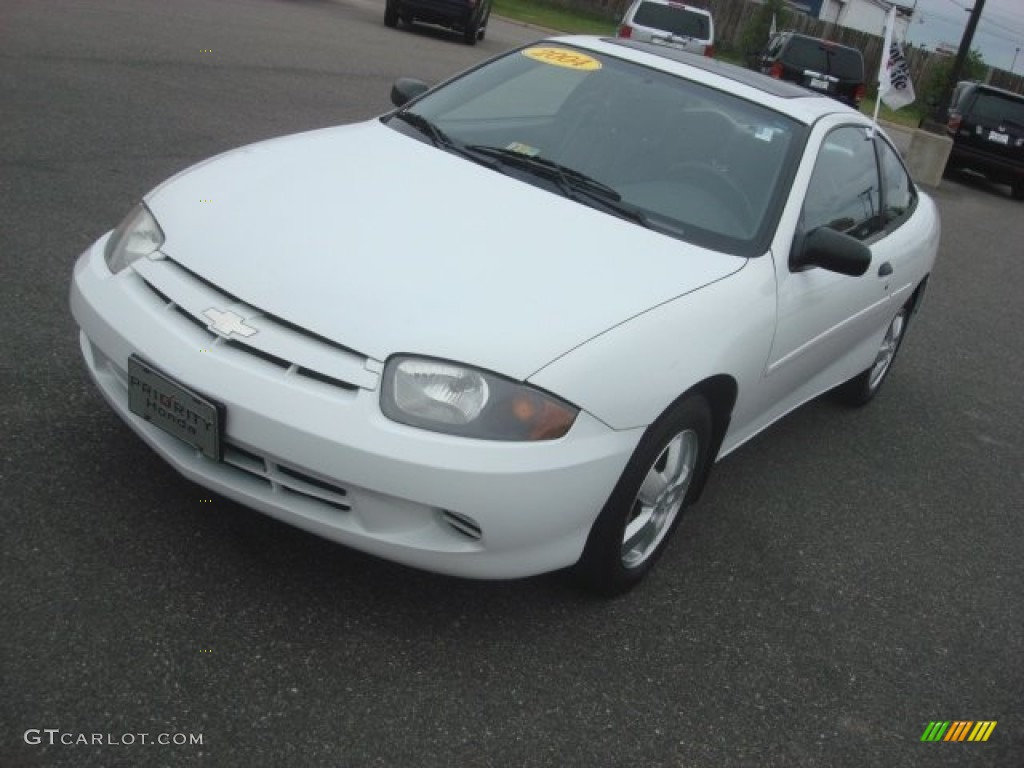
647	503
862	388
390	15
469	34
1017	190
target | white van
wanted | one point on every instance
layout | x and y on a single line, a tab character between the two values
682	26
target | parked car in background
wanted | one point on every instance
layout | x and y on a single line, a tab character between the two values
687	27
616	263
822	65
987	128
466	16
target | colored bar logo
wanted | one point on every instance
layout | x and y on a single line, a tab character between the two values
958	730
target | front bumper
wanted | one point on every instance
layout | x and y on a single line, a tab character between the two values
322	457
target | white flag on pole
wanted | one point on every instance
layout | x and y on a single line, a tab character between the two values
894	85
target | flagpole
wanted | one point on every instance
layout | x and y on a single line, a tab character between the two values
874	118
884	81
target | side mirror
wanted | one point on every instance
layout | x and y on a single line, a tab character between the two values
831	250
405	89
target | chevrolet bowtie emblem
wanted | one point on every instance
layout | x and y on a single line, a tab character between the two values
227	323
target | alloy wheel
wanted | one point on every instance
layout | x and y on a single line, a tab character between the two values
660	498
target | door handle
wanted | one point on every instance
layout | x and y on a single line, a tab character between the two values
885	270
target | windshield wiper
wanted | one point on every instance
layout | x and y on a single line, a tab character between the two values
571	179
441	139
437	137
573	183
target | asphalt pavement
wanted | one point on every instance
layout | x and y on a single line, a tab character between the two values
848	577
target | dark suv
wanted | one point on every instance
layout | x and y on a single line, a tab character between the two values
987	128
466	16
821	65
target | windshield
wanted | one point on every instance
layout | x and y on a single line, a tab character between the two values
994	109
825	58
683	159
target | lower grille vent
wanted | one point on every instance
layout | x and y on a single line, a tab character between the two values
464	524
287	479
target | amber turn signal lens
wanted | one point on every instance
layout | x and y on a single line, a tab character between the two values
545	420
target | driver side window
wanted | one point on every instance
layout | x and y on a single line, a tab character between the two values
844	190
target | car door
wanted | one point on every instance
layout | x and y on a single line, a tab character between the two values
827	323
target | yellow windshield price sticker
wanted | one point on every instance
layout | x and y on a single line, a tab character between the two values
563	57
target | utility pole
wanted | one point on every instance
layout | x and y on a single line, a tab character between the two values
961	56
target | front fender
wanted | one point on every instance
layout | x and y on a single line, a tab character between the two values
630	374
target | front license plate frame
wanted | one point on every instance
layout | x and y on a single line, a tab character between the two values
174	408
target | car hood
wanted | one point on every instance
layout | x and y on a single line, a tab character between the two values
386	244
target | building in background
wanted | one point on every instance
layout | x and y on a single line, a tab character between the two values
864	15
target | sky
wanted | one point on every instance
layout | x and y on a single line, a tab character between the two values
999	34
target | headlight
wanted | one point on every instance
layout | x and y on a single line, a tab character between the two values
451	398
137	236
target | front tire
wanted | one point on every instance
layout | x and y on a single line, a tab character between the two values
470	32
646	505
861	389
483	25
390	15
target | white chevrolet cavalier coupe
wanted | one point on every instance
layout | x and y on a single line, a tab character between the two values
509	326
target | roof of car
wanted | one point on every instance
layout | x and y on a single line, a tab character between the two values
750	77
687	6
831	43
991	88
787	98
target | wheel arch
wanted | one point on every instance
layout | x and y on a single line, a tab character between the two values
917	297
705	406
720	392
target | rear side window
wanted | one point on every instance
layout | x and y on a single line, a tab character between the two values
678	21
827	59
993	108
958	95
899	194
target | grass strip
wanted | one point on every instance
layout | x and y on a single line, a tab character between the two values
543	15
